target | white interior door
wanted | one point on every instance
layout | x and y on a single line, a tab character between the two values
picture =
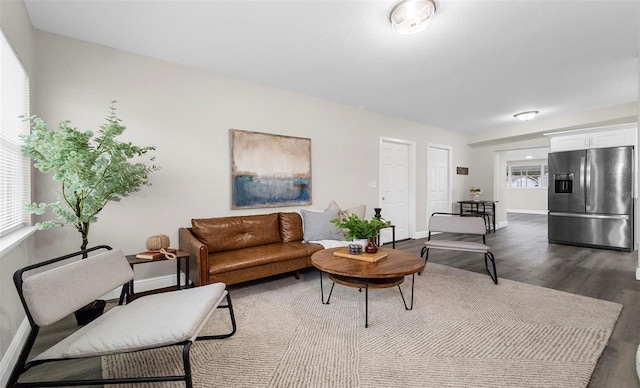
438	179
396	187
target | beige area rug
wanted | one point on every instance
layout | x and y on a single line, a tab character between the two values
464	331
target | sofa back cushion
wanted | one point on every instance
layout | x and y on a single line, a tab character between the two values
227	233
290	227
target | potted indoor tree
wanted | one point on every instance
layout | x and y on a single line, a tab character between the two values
359	229
92	171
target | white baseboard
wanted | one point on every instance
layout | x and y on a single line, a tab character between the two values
526	211
423	234
10	357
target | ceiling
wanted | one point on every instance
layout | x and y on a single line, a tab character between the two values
478	64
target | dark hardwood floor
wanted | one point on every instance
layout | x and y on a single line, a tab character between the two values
522	254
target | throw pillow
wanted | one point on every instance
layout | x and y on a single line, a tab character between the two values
333	206
317	225
359	211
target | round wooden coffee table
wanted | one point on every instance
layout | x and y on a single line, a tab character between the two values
387	272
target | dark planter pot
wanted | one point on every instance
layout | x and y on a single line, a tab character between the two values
371	246
90	312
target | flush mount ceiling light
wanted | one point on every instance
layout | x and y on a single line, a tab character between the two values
412	16
526	116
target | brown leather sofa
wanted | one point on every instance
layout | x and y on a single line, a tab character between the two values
242	248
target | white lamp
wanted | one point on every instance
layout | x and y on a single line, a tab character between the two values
412	16
526	116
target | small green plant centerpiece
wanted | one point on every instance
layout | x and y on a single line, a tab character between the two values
91	170
359	229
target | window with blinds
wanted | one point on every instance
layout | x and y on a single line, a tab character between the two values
15	181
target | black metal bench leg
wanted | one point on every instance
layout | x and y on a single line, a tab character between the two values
424	252
494	275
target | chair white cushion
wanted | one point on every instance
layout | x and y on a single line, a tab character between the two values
148	322
52	295
457	224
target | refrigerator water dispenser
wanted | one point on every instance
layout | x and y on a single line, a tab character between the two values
563	183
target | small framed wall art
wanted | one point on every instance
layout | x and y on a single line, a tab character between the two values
462	170
269	170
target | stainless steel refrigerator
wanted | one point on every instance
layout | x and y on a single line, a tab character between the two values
591	198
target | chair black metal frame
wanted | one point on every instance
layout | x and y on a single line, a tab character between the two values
488	255
23	366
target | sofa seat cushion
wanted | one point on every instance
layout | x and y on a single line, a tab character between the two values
251	257
309	248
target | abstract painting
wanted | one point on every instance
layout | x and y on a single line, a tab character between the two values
269	170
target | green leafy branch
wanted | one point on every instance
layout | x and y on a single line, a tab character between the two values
91	171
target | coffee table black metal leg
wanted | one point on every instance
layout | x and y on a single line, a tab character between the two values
413	278
322	290
366	305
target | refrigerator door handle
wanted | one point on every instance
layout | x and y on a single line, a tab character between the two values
586	177
594	216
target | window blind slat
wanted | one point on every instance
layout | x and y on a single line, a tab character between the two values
15	179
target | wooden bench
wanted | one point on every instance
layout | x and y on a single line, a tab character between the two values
154	321
467	225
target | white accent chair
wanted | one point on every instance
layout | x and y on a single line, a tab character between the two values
165	319
467	225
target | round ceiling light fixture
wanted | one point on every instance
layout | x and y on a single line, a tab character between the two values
412	16
526	116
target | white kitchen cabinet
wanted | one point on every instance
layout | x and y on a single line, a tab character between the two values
603	139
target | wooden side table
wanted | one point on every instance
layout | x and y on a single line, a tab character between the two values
180	255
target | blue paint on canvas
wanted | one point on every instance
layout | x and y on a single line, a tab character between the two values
252	190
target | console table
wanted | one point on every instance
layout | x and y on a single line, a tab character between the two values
486	209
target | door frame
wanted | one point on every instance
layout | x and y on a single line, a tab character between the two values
412	178
449	177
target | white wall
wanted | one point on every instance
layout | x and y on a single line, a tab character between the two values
526	200
187	113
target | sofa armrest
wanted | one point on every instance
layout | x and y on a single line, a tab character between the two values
198	251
